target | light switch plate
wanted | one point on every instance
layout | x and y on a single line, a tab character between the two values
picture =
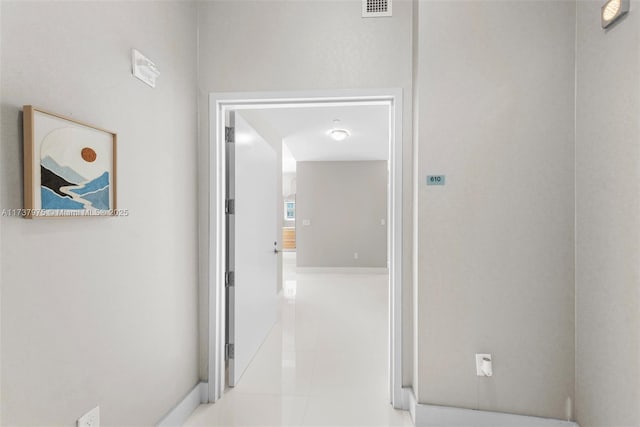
90	419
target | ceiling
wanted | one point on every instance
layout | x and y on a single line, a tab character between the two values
305	132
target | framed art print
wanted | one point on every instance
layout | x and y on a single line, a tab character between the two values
69	167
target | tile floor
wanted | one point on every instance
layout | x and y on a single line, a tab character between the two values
323	364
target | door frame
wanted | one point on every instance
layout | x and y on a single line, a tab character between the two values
215	186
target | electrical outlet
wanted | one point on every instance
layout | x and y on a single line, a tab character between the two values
355	255
90	419
484	367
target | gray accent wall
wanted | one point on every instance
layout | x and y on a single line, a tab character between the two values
102	311
608	219
494	113
344	203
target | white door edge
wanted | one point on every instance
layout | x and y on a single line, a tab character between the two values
214	215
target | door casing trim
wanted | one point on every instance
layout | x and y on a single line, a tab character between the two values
215	184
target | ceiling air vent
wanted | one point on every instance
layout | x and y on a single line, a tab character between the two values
376	8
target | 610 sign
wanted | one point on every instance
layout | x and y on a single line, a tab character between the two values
435	179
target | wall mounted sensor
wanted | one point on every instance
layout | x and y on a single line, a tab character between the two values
143	68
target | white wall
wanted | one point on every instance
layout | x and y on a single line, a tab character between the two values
608	220
288	185
286	46
495	96
344	202
104	310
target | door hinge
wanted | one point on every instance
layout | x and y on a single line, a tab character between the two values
229	134
229	351
229	279
230	206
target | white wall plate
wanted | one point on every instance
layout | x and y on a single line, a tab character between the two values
143	68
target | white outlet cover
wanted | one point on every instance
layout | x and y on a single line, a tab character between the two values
484	368
306	222
90	419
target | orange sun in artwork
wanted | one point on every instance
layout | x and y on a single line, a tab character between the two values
88	154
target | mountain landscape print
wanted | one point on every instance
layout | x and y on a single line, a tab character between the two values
74	171
63	188
69	167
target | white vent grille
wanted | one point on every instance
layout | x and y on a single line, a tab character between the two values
376	8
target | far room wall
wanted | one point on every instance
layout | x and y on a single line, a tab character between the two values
341	211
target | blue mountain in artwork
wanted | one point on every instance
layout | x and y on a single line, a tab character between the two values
92	186
51	200
98	199
64	172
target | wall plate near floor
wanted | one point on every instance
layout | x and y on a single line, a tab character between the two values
484	366
90	419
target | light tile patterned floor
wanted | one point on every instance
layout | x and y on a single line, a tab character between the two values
323	364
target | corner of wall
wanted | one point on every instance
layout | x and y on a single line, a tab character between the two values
1	423
414	194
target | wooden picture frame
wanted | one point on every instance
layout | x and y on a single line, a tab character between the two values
69	167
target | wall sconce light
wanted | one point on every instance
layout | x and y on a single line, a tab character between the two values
143	68
612	11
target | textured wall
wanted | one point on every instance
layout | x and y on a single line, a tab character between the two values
102	311
608	220
495	98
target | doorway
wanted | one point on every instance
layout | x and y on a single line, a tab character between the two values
220	105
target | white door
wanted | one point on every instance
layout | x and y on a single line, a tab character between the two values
251	252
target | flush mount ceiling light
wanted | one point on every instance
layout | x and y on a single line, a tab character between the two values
612	11
337	133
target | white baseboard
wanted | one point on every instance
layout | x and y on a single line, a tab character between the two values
178	415
407	399
343	270
443	416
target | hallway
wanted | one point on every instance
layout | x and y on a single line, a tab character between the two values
323	364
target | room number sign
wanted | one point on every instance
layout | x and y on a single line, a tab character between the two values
435	180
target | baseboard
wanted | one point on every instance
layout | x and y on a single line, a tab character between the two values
343	270
443	416
406	399
178	415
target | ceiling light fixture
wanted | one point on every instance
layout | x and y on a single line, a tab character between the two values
338	134
612	10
